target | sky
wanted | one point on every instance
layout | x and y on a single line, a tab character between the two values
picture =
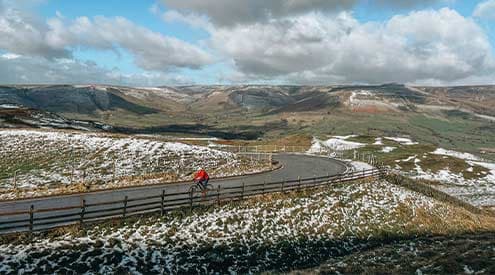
303	42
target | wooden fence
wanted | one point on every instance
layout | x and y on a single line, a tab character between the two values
45	218
349	153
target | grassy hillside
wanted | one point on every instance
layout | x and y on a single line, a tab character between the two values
271	233
451	117
48	162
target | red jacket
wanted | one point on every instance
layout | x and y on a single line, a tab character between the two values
201	175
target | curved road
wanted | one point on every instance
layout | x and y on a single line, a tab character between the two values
294	166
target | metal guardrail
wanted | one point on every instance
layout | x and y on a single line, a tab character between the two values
47	218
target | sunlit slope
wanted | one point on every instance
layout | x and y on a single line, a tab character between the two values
453	116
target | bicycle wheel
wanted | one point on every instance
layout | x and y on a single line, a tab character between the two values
193	189
207	189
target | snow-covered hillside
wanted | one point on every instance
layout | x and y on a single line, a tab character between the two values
279	233
478	191
54	158
461	174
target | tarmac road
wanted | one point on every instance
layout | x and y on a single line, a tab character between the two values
293	166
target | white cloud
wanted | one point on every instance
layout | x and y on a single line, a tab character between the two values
151	50
307	42
23	33
192	20
233	12
10	56
238	12
485	10
316	48
38	70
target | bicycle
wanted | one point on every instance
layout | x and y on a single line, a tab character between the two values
200	186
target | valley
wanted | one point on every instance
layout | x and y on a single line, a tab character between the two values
65	140
247	137
451	117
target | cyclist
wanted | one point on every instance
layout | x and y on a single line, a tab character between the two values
202	178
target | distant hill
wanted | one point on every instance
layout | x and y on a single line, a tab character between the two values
69	99
15	116
251	110
257	98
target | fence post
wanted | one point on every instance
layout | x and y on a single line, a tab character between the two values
242	194
283	183
15	181
264	186
299	183
31	217
218	194
191	199
162	209
125	207
83	210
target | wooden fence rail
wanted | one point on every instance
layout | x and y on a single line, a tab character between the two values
46	218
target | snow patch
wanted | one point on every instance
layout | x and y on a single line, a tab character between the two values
378	141
408	159
487	165
339	144
352	98
402	140
388	149
334	144
9	106
455	154
359	166
345	137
